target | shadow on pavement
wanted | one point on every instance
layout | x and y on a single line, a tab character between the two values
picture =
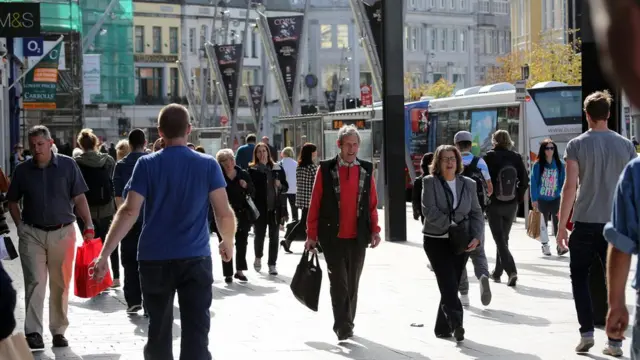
104	303
406	243
471	348
247	289
69	354
362	349
507	317
542	293
283	279
546	270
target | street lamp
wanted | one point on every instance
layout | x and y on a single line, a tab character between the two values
524	72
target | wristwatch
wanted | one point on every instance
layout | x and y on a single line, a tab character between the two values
89	227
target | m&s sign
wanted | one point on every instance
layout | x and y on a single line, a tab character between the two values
19	19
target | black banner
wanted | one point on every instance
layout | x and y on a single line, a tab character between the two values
229	66
331	97
19	19
256	95
374	17
286	32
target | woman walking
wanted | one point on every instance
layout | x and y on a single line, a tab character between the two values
305	176
289	164
452	216
239	187
270	183
547	178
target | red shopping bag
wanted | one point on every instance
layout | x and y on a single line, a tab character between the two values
86	286
569	223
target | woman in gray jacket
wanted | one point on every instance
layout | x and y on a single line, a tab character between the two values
449	199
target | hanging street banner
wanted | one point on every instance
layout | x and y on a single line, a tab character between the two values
331	97
41	81
373	13
256	96
229	67
286	32
19	19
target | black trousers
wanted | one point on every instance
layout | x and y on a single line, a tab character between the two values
501	217
191	279
242	236
345	260
129	257
549	210
292	204
447	266
267	220
101	227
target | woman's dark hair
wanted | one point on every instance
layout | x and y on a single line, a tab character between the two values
200	149
306	154
427	159
255	155
542	157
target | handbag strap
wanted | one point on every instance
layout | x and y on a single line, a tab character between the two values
449	204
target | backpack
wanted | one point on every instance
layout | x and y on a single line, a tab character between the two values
472	171
506	184
100	185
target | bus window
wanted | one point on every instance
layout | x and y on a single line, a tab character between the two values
559	106
441	128
483	125
509	119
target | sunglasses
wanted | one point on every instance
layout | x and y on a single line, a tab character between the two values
550	148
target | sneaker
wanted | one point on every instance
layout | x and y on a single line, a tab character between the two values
257	265
546	250
116	283
613	348
485	290
464	299
513	278
133	309
35	341
561	251
273	270
585	344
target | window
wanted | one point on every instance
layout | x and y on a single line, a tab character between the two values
150	86
434	36
441	4
432	4
413	3
508	119
342	36
330	77
463	40
481	45
500	7
157	39
452	4
254	43
483	6
247	77
203	35
501	42
463	4
174	83
406	38
233	37
139	39
173	40
553	14
487	42
326	36
192	40
454	41
505	42
443	40
414	39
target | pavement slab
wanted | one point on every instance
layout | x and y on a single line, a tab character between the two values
398	297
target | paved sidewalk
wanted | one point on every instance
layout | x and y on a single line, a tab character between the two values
261	320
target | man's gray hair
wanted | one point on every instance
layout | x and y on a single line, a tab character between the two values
40	130
348	130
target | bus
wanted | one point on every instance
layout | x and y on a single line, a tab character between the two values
550	110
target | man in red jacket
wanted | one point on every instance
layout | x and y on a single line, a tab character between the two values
343	217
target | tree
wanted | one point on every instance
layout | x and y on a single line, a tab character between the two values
547	60
439	89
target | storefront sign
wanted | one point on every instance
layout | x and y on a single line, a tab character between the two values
155	58
19	19
41	82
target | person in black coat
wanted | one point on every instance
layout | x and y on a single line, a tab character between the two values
7	305
416	193
271	186
239	187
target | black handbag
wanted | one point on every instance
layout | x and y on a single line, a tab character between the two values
459	236
307	281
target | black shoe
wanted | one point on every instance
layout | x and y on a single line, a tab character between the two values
35	341
513	279
444	336
344	334
228	279
60	341
458	333
495	278
241	277
286	246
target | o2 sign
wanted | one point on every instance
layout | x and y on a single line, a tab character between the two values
32	47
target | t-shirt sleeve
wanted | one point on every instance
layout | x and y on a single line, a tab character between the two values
482	165
571	152
139	179
216	180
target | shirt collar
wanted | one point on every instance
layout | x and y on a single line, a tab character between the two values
351	164
54	160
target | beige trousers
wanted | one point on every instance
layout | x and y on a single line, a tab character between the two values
45	253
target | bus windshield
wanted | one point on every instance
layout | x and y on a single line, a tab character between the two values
559	106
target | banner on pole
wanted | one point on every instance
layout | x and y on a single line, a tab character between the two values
41	82
256	96
374	17
286	34
331	97
228	57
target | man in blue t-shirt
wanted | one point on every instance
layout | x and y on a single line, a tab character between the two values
464	141
176	186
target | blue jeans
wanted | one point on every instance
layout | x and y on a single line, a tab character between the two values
192	278
480	267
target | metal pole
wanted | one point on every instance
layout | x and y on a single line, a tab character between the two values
301	47
393	135
234	116
213	39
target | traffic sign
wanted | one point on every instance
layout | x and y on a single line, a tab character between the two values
32	46
521	90
366	95
224	120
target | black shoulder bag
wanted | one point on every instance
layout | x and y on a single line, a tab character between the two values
459	236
